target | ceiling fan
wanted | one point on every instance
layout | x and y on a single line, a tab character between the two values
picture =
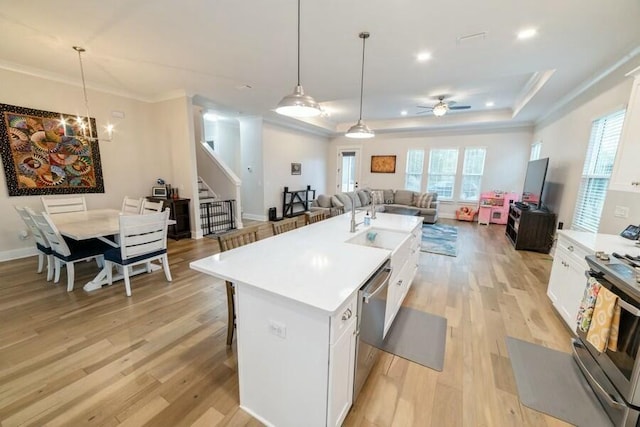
441	107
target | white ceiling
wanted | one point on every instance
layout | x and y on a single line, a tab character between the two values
149	49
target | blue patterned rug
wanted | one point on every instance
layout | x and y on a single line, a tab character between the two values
440	239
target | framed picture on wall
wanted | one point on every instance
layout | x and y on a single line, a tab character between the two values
296	168
383	164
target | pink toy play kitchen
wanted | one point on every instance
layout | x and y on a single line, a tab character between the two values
494	207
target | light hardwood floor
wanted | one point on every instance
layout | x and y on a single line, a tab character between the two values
159	358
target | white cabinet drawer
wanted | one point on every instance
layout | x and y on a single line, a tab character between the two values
400	256
340	320
571	252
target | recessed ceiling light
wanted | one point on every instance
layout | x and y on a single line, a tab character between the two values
527	34
423	56
403	112
489	104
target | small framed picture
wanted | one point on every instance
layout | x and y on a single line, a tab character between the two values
296	168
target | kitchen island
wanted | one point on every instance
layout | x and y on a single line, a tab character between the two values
296	304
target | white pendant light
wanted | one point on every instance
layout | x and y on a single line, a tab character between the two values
361	130
298	104
83	127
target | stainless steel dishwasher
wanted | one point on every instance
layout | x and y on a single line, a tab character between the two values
372	303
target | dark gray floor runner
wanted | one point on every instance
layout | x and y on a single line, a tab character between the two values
550	381
419	337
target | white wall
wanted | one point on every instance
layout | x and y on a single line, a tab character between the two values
225	134
285	146
505	164
565	141
131	162
252	171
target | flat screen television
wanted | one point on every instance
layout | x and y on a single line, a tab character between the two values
534	182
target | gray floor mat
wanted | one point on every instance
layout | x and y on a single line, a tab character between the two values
550	381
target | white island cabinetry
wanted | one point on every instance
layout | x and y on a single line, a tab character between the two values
296	298
626	173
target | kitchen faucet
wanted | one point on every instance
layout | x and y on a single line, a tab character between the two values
354	225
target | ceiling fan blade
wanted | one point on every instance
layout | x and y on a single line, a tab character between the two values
422	106
460	107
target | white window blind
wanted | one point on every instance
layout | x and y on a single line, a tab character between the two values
348	171
598	164
443	163
536	147
472	171
415	164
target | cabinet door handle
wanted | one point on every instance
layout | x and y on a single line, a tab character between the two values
570	248
399	282
347	314
635	183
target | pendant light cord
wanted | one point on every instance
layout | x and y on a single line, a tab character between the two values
364	37
84	89
298	42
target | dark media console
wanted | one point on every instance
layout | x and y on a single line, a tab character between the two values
530	229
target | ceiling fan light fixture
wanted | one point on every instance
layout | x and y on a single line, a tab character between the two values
360	130
440	109
298	104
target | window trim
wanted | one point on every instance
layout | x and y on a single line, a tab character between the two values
463	175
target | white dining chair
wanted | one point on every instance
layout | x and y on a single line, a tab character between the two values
149	206
42	244
68	252
143	238
54	206
131	206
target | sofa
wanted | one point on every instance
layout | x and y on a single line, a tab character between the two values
426	203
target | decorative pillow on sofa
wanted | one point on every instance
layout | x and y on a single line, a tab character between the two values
388	197
422	200
346	201
377	197
324	201
336	203
403	197
365	199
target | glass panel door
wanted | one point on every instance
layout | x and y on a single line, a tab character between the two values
348	169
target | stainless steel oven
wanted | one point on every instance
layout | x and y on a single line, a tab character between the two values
615	375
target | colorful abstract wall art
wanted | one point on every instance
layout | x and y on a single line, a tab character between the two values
41	157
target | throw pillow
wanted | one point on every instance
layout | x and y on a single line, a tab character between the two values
403	197
423	200
364	197
388	196
377	197
324	201
336	203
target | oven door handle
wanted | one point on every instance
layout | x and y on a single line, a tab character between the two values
612	400
628	307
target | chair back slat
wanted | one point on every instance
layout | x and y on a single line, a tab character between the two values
131	206
285	225
238	238
33	227
313	217
149	207
50	232
142	234
64	205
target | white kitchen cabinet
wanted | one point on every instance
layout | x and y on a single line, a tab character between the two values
341	374
626	173
567	281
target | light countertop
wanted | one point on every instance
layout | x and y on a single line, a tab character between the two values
609	243
312	265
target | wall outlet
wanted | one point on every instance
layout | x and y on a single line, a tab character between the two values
621	212
278	329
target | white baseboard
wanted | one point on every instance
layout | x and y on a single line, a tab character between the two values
447	216
17	254
254	217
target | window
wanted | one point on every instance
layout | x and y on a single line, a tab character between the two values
415	163
598	164
442	172
535	150
348	181
472	170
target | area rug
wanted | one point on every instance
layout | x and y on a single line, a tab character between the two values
550	381
440	239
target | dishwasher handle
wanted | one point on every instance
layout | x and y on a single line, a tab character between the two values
378	285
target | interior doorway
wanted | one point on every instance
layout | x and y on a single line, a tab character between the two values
348	169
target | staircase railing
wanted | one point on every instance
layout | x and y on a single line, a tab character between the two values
217	216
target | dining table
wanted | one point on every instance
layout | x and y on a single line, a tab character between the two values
102	224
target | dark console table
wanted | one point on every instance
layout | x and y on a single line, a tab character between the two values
180	213
530	229
296	203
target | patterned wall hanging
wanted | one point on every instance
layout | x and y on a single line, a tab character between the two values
39	159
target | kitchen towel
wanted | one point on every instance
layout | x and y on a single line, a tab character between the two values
601	320
588	302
